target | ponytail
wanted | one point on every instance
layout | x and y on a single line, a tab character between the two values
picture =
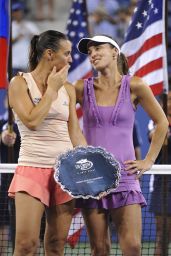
33	56
49	39
123	64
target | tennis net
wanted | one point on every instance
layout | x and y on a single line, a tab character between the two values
156	187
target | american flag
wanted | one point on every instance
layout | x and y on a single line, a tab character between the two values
4	41
145	45
77	27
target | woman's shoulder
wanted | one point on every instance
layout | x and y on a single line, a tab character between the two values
17	82
17	89
141	91
137	83
70	89
79	85
135	80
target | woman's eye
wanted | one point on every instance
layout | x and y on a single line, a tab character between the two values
67	54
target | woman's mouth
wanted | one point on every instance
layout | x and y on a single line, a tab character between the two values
95	61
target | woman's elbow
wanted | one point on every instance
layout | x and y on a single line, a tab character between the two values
31	125
165	125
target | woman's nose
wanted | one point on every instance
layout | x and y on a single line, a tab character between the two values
70	59
93	54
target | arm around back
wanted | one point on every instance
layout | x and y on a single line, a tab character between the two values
79	88
76	135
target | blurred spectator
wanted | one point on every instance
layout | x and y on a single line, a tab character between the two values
22	32
102	23
123	19
40	10
124	16
132	6
7	208
110	17
109	6
25	4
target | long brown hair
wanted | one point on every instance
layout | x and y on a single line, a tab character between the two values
49	39
122	64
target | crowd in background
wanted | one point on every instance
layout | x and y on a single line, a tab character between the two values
109	17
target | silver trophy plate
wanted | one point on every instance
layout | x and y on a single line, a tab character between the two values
87	172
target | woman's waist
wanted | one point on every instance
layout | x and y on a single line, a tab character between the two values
51	128
128	185
121	136
46	145
44	136
46	155
121	154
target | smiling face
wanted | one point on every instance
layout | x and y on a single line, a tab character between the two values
101	55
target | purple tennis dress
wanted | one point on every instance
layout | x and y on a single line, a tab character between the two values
111	127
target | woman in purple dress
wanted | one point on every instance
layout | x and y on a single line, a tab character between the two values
109	102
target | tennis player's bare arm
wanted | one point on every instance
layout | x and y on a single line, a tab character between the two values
76	135
142	94
30	114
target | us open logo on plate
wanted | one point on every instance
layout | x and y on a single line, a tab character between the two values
84	164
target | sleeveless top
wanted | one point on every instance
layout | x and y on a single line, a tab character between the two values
111	127
40	147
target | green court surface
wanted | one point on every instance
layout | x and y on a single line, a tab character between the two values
83	249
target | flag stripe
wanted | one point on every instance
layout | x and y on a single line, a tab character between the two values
74	237
154	77
151	66
146	57
148	44
157	89
80	71
3	62
76	224
79	112
4	37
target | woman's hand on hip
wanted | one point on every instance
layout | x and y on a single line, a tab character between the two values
138	167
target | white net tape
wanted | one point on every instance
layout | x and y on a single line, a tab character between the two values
156	169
